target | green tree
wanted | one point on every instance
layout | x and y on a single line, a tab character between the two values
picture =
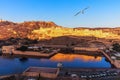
116	47
23	48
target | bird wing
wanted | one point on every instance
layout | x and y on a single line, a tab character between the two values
82	11
85	8
77	13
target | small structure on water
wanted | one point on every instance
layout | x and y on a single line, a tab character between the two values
60	65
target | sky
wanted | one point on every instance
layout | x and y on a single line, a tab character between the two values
101	13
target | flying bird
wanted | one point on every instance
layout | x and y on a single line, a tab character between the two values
82	11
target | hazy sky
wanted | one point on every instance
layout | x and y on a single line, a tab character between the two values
102	13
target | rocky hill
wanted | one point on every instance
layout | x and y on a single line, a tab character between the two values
49	33
21	30
47	30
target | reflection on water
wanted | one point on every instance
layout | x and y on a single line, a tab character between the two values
10	65
71	57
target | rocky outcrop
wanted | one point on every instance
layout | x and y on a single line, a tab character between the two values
21	30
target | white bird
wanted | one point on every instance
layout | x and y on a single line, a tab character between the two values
82	11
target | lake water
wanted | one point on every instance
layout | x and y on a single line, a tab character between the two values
10	65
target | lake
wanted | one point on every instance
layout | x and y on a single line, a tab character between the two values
10	65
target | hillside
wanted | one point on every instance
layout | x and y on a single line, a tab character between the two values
48	33
21	30
41	30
